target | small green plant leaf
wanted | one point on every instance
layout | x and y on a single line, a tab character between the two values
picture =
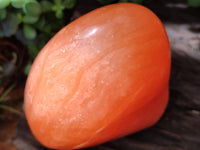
20	18
17	3
30	19
32	8
69	4
46	6
4	3
3	14
59	14
58	5
29	32
27	69
9	24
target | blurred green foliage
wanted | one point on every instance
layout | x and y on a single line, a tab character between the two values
33	22
194	3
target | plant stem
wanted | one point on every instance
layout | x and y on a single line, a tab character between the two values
10	109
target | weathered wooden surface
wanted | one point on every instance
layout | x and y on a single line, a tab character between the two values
179	128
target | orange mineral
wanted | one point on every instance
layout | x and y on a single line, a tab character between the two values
103	76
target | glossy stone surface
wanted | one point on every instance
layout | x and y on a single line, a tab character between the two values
103	76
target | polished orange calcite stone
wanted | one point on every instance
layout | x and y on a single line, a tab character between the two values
103	76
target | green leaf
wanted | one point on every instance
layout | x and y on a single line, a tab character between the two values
32	8
29	32
9	24
27	69
20	18
59	14
4	3
194	3
58	6
69	4
46	6
30	19
3	14
17	3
